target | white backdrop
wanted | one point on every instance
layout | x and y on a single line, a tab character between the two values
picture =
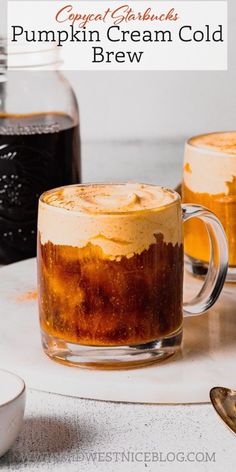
157	105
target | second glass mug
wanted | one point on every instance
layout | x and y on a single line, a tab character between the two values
110	273
209	179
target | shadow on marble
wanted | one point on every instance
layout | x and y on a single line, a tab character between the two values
46	439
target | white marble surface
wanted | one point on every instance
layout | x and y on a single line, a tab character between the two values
61	434
206	359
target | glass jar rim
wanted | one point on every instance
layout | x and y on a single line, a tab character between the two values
18	58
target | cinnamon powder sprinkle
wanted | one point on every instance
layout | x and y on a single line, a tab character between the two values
28	296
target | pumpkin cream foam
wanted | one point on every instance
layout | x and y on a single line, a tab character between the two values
210	163
122	219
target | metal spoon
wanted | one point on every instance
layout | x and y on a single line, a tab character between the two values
224	402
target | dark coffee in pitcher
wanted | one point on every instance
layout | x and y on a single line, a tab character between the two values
37	152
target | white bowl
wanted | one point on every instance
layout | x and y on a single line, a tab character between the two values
12	407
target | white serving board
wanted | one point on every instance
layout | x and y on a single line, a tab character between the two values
208	357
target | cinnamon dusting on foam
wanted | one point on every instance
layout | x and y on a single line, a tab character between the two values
222	142
110	198
122	219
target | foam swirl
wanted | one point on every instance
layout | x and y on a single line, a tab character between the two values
110	198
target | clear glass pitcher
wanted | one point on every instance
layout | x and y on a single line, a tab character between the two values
39	144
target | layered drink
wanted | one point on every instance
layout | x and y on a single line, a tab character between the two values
210	180
110	264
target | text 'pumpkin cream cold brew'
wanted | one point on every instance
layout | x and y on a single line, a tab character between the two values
105	253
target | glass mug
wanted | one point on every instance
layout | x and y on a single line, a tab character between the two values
110	273
209	179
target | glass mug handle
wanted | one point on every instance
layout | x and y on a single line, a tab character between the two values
218	265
